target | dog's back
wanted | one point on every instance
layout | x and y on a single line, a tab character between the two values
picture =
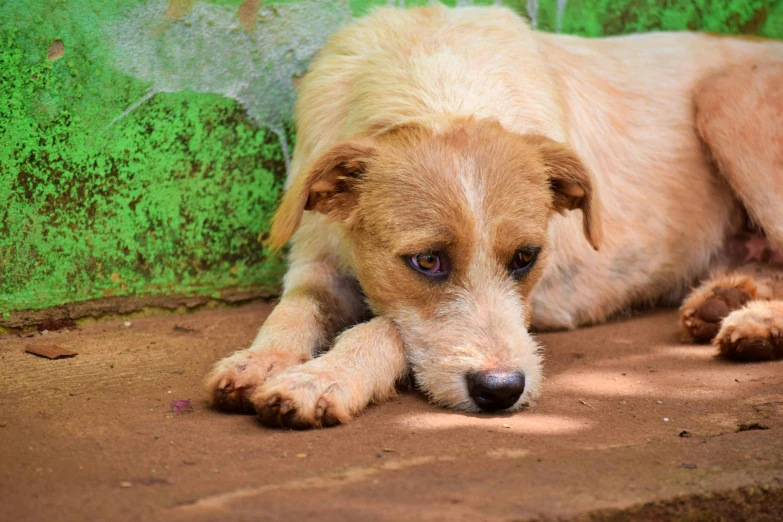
624	103
430	65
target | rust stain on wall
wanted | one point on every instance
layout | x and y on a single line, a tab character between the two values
178	8
248	13
56	51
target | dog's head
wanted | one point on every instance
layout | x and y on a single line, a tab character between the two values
448	231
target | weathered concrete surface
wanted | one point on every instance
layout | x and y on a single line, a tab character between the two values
74	430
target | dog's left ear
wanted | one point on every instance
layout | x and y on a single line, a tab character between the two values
573	186
327	186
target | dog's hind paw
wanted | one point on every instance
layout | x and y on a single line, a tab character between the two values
754	333
705	308
233	380
302	399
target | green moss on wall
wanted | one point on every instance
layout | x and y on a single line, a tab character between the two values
173	198
614	17
611	17
140	146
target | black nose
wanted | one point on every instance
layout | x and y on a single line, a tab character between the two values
495	390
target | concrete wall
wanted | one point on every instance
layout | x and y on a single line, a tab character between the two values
143	143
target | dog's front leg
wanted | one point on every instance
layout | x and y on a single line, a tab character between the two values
317	303
363	366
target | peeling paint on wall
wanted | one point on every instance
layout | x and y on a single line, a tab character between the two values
143	143
213	49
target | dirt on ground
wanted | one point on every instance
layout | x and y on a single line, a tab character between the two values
632	425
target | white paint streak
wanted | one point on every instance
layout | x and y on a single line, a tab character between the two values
561	7
532	12
280	132
135	105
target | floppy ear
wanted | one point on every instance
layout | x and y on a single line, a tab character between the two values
328	186
573	186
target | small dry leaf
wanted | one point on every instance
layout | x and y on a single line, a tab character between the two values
301	455
125	484
388	450
584	402
507	425
50	351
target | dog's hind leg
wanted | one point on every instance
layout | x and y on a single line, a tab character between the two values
753	333
739	312
317	303
363	366
739	115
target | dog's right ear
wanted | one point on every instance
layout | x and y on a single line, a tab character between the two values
328	186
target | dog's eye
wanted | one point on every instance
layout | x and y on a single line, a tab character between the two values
429	263
523	261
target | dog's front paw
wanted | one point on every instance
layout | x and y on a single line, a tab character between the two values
302	399
705	308
754	333
233	380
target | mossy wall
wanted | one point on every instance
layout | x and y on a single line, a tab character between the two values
144	143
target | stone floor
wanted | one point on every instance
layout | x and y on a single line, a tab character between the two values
632	425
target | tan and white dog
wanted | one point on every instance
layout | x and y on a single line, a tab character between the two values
439	155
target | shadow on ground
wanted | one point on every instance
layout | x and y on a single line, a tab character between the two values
628	416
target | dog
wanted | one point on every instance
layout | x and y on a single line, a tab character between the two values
459	178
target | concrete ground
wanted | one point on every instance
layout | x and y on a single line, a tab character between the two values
630	420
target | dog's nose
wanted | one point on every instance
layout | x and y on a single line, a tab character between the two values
495	390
